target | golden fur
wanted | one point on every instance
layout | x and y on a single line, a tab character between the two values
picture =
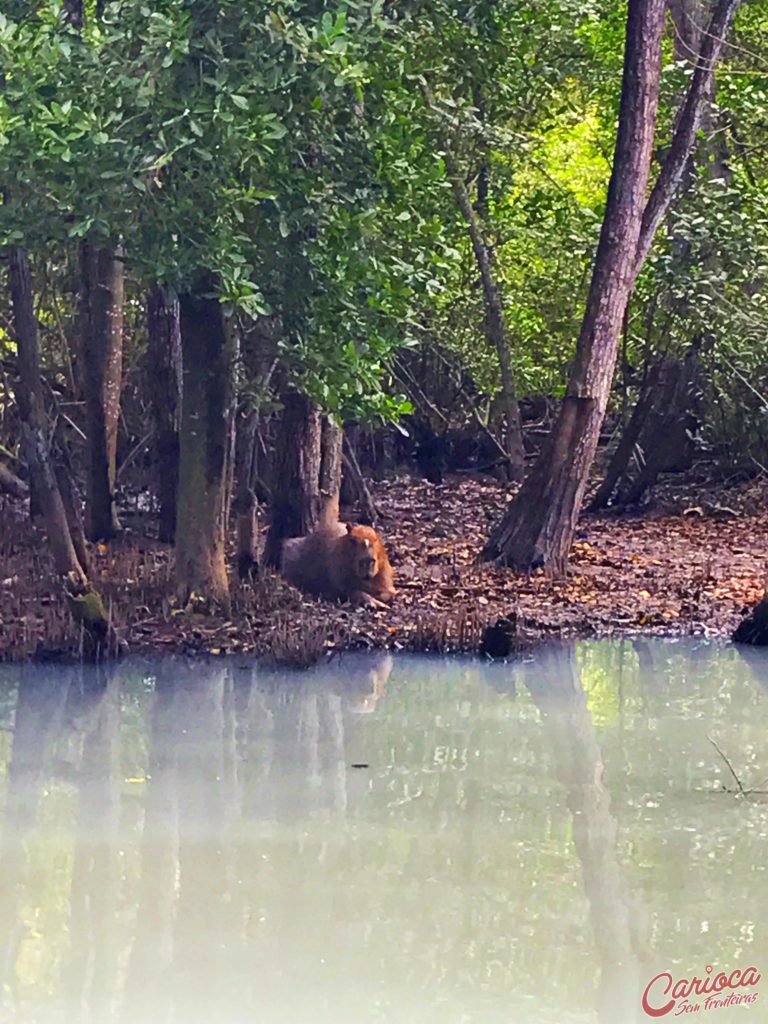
340	563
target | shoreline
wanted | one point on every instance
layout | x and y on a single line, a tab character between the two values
675	570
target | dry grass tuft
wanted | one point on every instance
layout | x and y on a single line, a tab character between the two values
449	632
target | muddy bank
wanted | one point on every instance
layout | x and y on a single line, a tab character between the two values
689	565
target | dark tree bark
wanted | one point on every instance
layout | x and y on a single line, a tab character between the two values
164	372
666	435
72	11
259	358
306	474
537	528
295	477
689	19
11	484
659	431
383	453
83	601
753	629
205	449
626	446
495	323
101	325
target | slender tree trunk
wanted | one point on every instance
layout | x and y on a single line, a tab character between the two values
164	371
102	354
259	348
70	495
618	464
83	601
687	126
537	528
331	445
34	426
201	569
306	474
495	323
245	505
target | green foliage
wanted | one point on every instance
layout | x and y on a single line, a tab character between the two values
215	139
287	152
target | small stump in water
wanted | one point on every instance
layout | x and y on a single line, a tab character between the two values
501	639
754	628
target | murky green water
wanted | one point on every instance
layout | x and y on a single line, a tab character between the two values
405	841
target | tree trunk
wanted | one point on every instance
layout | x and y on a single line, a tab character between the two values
295	477
102	354
83	601
245	506
687	125
306	474
11	484
665	437
537	528
201	570
70	495
331	444
34	427
620	460
495	323
164	371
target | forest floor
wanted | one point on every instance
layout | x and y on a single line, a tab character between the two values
690	564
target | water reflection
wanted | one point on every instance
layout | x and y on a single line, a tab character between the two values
555	685
411	840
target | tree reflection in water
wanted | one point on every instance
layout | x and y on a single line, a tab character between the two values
568	723
189	841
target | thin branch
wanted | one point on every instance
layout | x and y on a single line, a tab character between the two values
730	766
745	381
688	121
731	46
